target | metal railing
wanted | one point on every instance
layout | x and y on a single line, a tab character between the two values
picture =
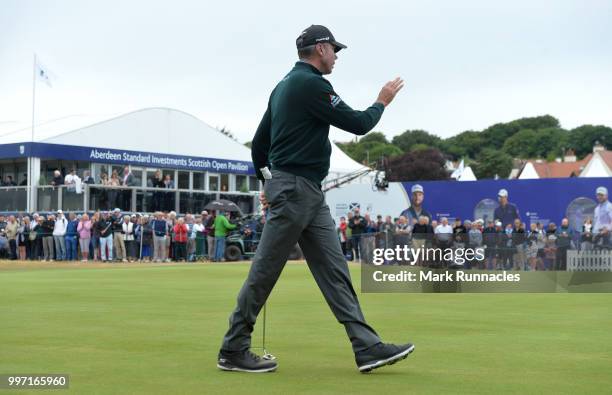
134	199
13	198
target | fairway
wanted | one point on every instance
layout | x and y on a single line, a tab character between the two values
157	329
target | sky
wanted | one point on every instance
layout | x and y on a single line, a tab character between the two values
466	64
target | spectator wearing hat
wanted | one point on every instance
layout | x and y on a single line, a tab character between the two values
358	225
416	209
443	234
104	227
506	212
602	219
59	233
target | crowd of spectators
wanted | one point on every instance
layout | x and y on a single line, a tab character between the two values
113	197
110	236
515	246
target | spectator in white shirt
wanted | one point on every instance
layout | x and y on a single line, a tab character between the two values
444	233
59	231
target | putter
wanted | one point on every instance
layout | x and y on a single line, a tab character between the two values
266	354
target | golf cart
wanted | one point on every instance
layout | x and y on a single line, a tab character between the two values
242	242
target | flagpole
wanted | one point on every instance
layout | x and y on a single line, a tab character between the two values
33	94
30	160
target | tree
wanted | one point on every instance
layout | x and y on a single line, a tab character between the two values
492	162
583	138
529	143
371	147
495	136
409	138
427	164
468	143
521	144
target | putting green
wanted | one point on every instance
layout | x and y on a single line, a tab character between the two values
157	328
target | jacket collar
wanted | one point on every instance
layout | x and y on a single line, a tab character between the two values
300	64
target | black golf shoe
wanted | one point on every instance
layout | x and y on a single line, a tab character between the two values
245	361
381	354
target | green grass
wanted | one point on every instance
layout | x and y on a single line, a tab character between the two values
157	329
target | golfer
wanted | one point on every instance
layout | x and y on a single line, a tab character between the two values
291	151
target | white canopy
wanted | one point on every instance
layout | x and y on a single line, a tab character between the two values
467	175
158	130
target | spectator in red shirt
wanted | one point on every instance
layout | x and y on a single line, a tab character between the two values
180	239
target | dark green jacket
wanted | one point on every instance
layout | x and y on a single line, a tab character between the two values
293	134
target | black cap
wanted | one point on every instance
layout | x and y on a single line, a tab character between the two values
317	34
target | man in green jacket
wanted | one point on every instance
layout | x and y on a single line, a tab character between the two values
222	228
291	152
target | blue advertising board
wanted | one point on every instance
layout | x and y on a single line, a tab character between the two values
540	200
135	158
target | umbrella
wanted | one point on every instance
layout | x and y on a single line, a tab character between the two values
224	205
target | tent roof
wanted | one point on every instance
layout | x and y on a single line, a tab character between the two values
156	129
467	175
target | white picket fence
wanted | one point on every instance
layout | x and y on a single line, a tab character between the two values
589	261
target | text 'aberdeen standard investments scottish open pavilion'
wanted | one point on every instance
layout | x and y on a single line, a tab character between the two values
198	163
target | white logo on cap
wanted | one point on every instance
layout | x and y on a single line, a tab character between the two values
322	39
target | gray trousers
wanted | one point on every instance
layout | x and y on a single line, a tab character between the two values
298	213
159	248
60	248
47	243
